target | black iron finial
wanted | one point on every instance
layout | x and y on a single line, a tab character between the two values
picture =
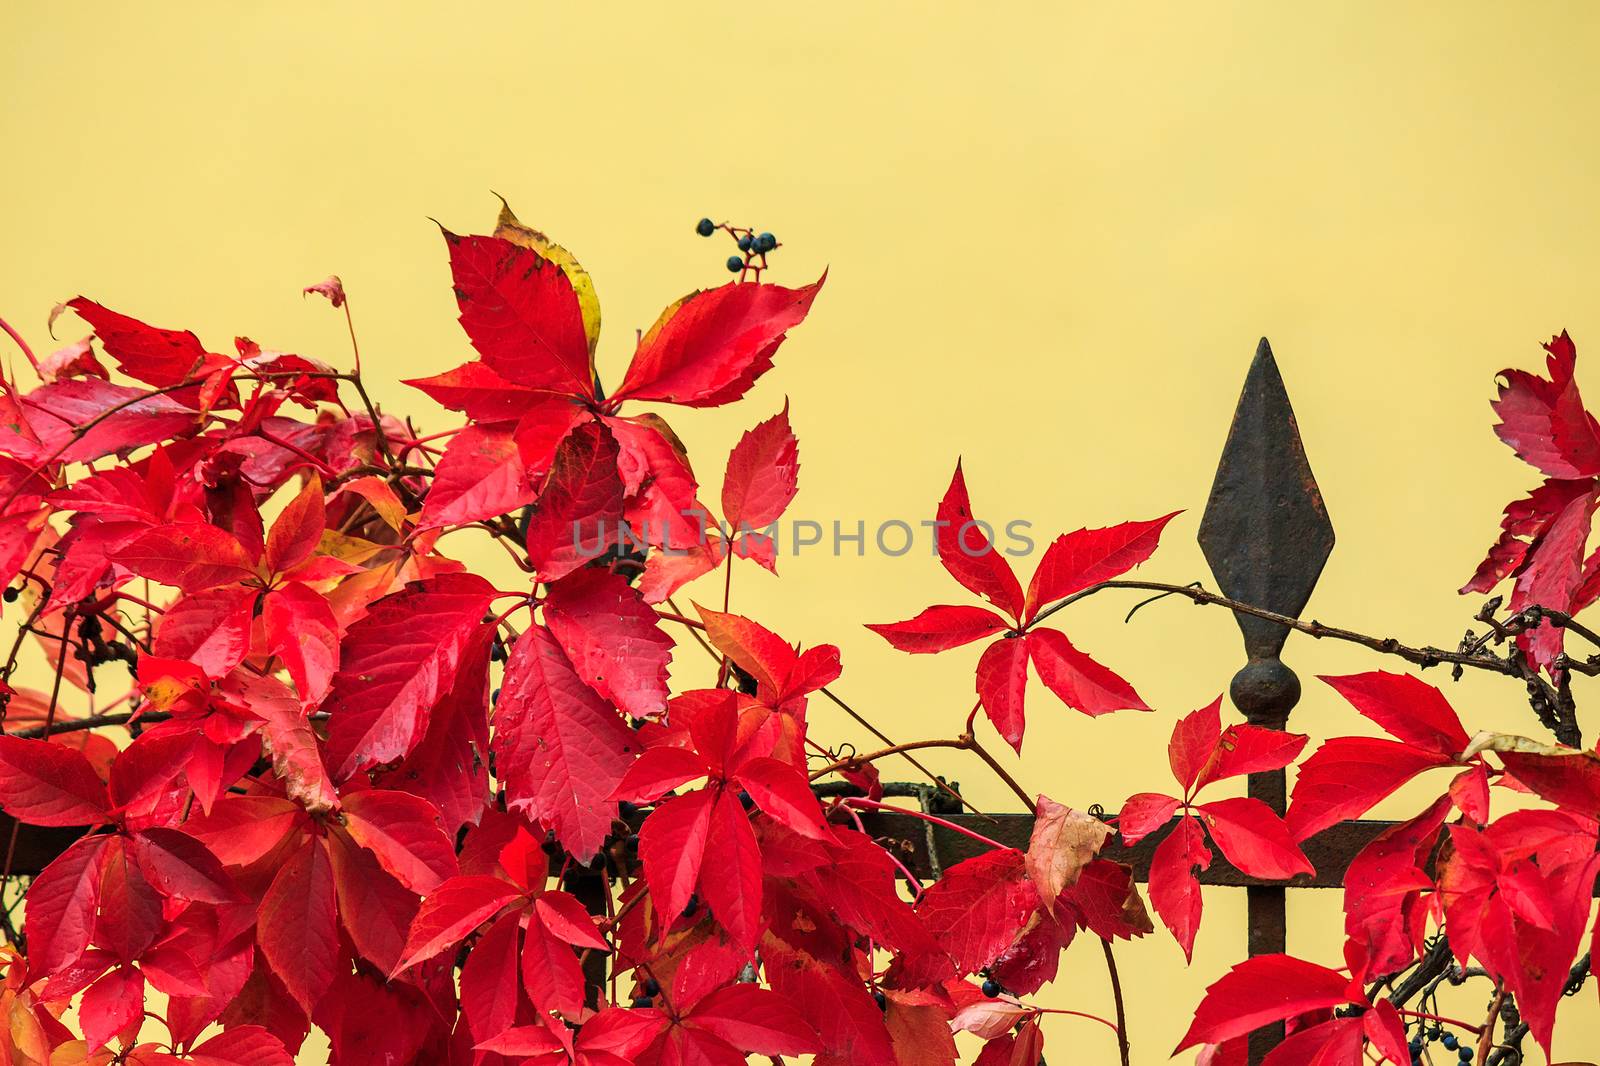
1265	533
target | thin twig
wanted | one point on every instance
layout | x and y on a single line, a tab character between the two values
1116	996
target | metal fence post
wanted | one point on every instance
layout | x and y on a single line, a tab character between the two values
1266	536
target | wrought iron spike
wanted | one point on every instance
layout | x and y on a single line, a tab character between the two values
1265	533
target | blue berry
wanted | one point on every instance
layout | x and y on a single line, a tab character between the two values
745	801
880	999
12	593
1466	1054
735	263
706	227
991	988
642	1001
652	987
745	242
1449	1041
766	242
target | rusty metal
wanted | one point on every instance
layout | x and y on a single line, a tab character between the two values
1266	536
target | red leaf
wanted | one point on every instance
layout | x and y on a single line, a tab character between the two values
1194	743
733	889
210	629
1174	889
1080	682
302	631
1250	749
1143	813
1543	419
784	793
491	989
613	638
111	1005
941	628
1553	575
241	830
120	418
755	1020
242	1045
49	784
580	508
298	925
294	536
1260	991
762	476
920	1032
550	972
708	348
561	750
1332	1043
1075	561
1382	907
755	649
296	753
1523	528
1002	686
403	831
521	314
566	919
672	845
658	481
666	572
1571	780
1347	775
398	661
180	867
615	1034
131	909
1386	1030
966	551
453	910
851	1027
158	357
657	772
1406	708
375	909
980	907
482	394
187	555
62	903
1254	838
480	476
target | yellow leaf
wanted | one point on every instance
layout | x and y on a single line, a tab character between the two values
354	550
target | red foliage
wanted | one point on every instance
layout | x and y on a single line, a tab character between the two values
357	768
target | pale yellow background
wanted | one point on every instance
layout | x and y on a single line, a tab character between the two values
1055	233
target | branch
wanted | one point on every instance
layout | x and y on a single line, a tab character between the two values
1541	692
1116	995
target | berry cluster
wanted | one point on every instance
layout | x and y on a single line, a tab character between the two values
1446	1039
753	247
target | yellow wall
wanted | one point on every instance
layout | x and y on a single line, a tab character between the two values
1055	233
